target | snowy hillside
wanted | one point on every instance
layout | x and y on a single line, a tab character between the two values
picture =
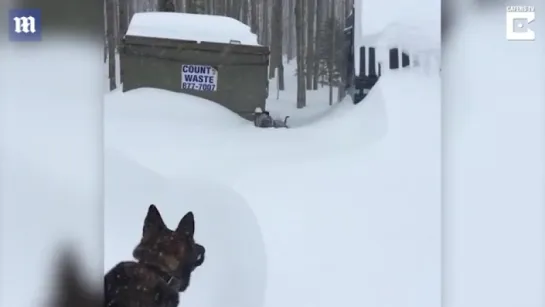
344	209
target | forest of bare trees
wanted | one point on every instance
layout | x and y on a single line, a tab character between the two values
309	32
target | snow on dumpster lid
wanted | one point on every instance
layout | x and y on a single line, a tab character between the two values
194	27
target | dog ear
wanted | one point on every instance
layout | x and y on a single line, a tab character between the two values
153	220
187	225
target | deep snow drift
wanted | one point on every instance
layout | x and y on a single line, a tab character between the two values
344	209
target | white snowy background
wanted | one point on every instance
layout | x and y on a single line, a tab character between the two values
494	162
493	179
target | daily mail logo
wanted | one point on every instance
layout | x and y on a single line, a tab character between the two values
25	25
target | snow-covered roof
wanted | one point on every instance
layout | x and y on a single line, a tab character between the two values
194	27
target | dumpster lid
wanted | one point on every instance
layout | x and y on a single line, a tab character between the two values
191	27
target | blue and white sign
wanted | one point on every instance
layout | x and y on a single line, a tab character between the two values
25	25
199	78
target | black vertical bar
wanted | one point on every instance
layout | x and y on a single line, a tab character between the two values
394	60
362	61
372	62
405	60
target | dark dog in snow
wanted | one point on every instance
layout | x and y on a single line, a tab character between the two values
263	119
165	261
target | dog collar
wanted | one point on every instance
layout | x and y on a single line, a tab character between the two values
171	281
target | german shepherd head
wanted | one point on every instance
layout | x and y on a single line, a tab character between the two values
173	252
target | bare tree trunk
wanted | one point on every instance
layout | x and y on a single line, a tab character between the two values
150	6
220	7
291	26
105	48
180	5
254	22
319	26
245	12
123	19
311	11
281	84
265	31
110	9
206	7
348	7
213	7
237	10
228	7
166	6
233	8
131	10
284	23
332	56
299	26
116	21
190	7
276	43
280	63
341	90
105	35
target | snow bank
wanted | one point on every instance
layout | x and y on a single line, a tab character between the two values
194	27
235	270
166	106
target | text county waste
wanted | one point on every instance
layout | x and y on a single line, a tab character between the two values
199	77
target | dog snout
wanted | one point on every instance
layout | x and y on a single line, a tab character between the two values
200	255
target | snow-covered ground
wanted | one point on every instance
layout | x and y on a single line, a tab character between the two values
343	209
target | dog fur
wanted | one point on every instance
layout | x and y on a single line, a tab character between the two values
71	289
263	119
165	261
281	124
